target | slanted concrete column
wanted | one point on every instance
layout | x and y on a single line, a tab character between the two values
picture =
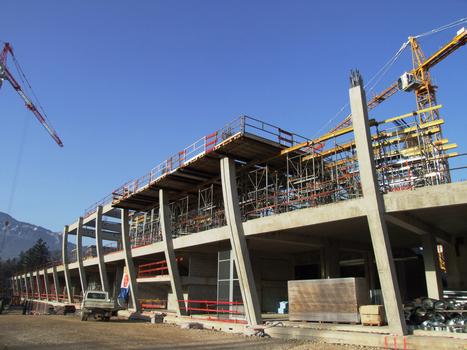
374	204
66	271
100	250
56	282
46	284
238	243
18	285
13	284
129	259
79	255
39	284
25	281
434	285
31	283
166	230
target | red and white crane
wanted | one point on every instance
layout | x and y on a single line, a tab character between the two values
5	74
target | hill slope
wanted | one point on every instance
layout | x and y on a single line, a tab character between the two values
19	236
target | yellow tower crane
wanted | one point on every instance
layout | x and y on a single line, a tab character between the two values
417	80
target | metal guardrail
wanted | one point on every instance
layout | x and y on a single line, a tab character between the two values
206	144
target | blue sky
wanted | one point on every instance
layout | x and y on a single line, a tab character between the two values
127	83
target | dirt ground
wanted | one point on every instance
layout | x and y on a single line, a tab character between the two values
68	332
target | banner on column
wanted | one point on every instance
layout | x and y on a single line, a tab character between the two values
124	286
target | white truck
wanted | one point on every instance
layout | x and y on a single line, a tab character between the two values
99	305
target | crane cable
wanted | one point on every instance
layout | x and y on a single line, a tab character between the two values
376	78
383	70
19	158
442	28
16	174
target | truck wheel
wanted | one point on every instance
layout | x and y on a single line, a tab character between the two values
84	315
106	318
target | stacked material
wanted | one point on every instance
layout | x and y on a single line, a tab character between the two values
437	315
327	300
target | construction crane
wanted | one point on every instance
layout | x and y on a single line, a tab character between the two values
5	74
417	80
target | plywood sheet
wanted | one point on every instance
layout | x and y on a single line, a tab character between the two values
332	300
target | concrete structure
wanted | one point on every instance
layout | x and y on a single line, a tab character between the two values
217	230
374	207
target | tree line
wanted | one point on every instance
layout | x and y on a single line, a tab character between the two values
36	256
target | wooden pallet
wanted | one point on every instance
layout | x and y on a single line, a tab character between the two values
373	324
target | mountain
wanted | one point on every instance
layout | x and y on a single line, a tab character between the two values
19	236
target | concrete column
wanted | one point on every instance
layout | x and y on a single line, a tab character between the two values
129	259
434	284
238	243
322	262
166	230
31	283
452	266
46	284
13	285
18	286
39	284
100	250
66	272
369	270
373	200
56	283
25	280
79	255
331	260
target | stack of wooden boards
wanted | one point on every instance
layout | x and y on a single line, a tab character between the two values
372	315
327	300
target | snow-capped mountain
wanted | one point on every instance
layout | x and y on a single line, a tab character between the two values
17	236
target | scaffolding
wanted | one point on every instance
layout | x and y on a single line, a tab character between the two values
408	154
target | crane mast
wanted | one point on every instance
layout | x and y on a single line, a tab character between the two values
5	74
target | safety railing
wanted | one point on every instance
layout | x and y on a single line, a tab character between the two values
207	144
92	208
154	269
223	311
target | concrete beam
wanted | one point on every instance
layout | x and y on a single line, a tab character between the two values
434	285
66	271
416	226
374	205
238	243
172	266
129	259
100	250
79	255
112	226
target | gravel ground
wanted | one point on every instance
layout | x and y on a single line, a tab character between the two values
68	332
